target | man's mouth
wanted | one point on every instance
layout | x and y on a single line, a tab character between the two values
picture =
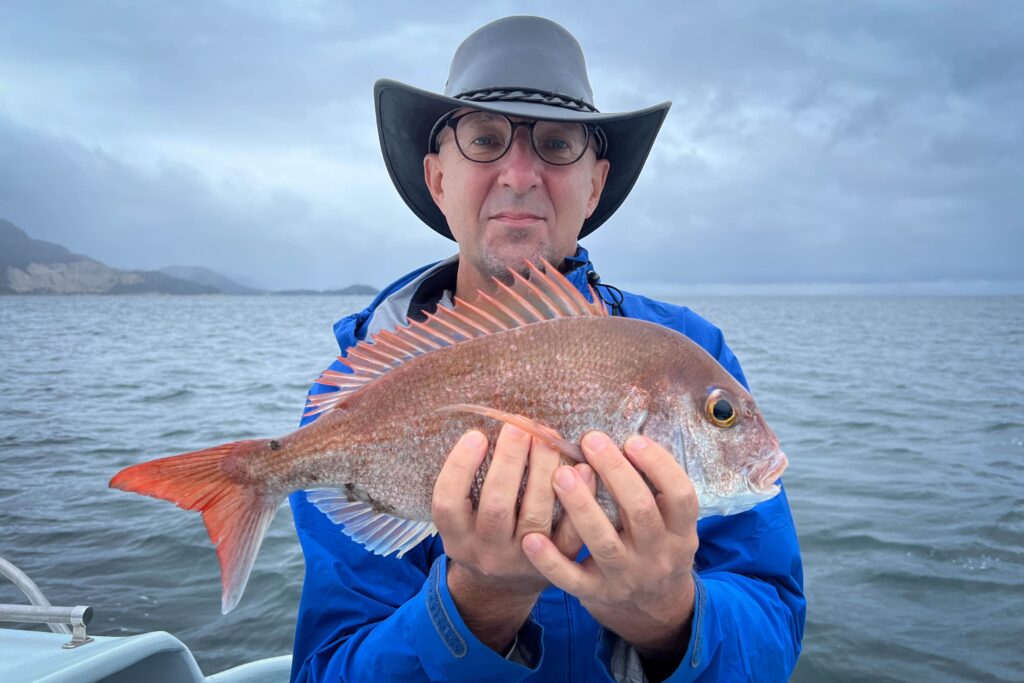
516	217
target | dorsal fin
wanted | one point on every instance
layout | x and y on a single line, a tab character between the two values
545	295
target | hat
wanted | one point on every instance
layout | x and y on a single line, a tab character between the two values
519	66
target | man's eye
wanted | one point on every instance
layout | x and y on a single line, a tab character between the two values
484	141
557	143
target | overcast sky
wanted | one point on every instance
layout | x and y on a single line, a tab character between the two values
808	142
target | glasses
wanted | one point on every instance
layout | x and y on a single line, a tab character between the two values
484	136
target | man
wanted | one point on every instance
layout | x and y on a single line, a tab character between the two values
520	165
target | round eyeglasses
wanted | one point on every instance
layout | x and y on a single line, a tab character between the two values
484	136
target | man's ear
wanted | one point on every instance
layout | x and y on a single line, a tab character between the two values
432	175
597	182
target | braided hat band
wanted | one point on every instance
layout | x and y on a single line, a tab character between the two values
535	96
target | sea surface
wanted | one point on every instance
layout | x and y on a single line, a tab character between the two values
903	419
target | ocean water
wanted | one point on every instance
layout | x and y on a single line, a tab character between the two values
903	419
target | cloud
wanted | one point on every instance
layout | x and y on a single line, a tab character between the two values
132	217
808	142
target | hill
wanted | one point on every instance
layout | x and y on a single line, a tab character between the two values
351	290
31	266
205	276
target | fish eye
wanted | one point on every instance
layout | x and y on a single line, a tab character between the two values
720	409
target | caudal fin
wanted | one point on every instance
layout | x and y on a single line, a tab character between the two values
236	515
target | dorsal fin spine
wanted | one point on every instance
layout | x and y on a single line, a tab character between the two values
451	326
331	374
597	304
363	355
521	300
388	350
436	333
404	339
338	381
553	310
358	363
427	345
484	314
397	342
380	353
569	295
466	320
504	309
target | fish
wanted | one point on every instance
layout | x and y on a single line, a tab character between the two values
536	353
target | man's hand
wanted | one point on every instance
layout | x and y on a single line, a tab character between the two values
492	582
636	582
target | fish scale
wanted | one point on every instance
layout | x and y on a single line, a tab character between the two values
536	354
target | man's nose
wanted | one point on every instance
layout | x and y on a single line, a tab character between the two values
521	167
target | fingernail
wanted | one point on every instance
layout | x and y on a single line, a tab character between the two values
588	474
532	544
595	441
511	431
636	443
565	478
473	439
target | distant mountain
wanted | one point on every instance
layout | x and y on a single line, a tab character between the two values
351	290
356	290
18	250
244	280
205	276
30	266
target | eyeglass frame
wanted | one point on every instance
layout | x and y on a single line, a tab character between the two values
450	120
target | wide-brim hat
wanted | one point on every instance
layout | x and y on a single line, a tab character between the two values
519	66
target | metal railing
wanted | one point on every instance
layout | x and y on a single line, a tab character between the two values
66	620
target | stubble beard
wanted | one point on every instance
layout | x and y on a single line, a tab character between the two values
494	265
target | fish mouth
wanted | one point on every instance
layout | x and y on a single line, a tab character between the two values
763	475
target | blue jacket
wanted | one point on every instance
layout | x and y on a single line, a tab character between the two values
363	617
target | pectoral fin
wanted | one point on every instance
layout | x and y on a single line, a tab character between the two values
546	434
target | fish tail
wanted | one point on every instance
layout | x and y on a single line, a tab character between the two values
212	482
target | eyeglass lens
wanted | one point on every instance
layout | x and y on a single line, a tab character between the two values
483	136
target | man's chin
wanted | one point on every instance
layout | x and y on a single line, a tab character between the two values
501	262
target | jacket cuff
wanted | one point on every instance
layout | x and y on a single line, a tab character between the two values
693	663
623	662
449	651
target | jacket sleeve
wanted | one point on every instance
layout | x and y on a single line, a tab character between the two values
363	617
749	608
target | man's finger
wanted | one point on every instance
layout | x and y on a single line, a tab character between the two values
589	520
558	569
496	513
451	507
641	516
538	502
565	537
676	497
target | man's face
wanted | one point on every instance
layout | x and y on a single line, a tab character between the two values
515	209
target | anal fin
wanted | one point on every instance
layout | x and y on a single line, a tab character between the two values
381	533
